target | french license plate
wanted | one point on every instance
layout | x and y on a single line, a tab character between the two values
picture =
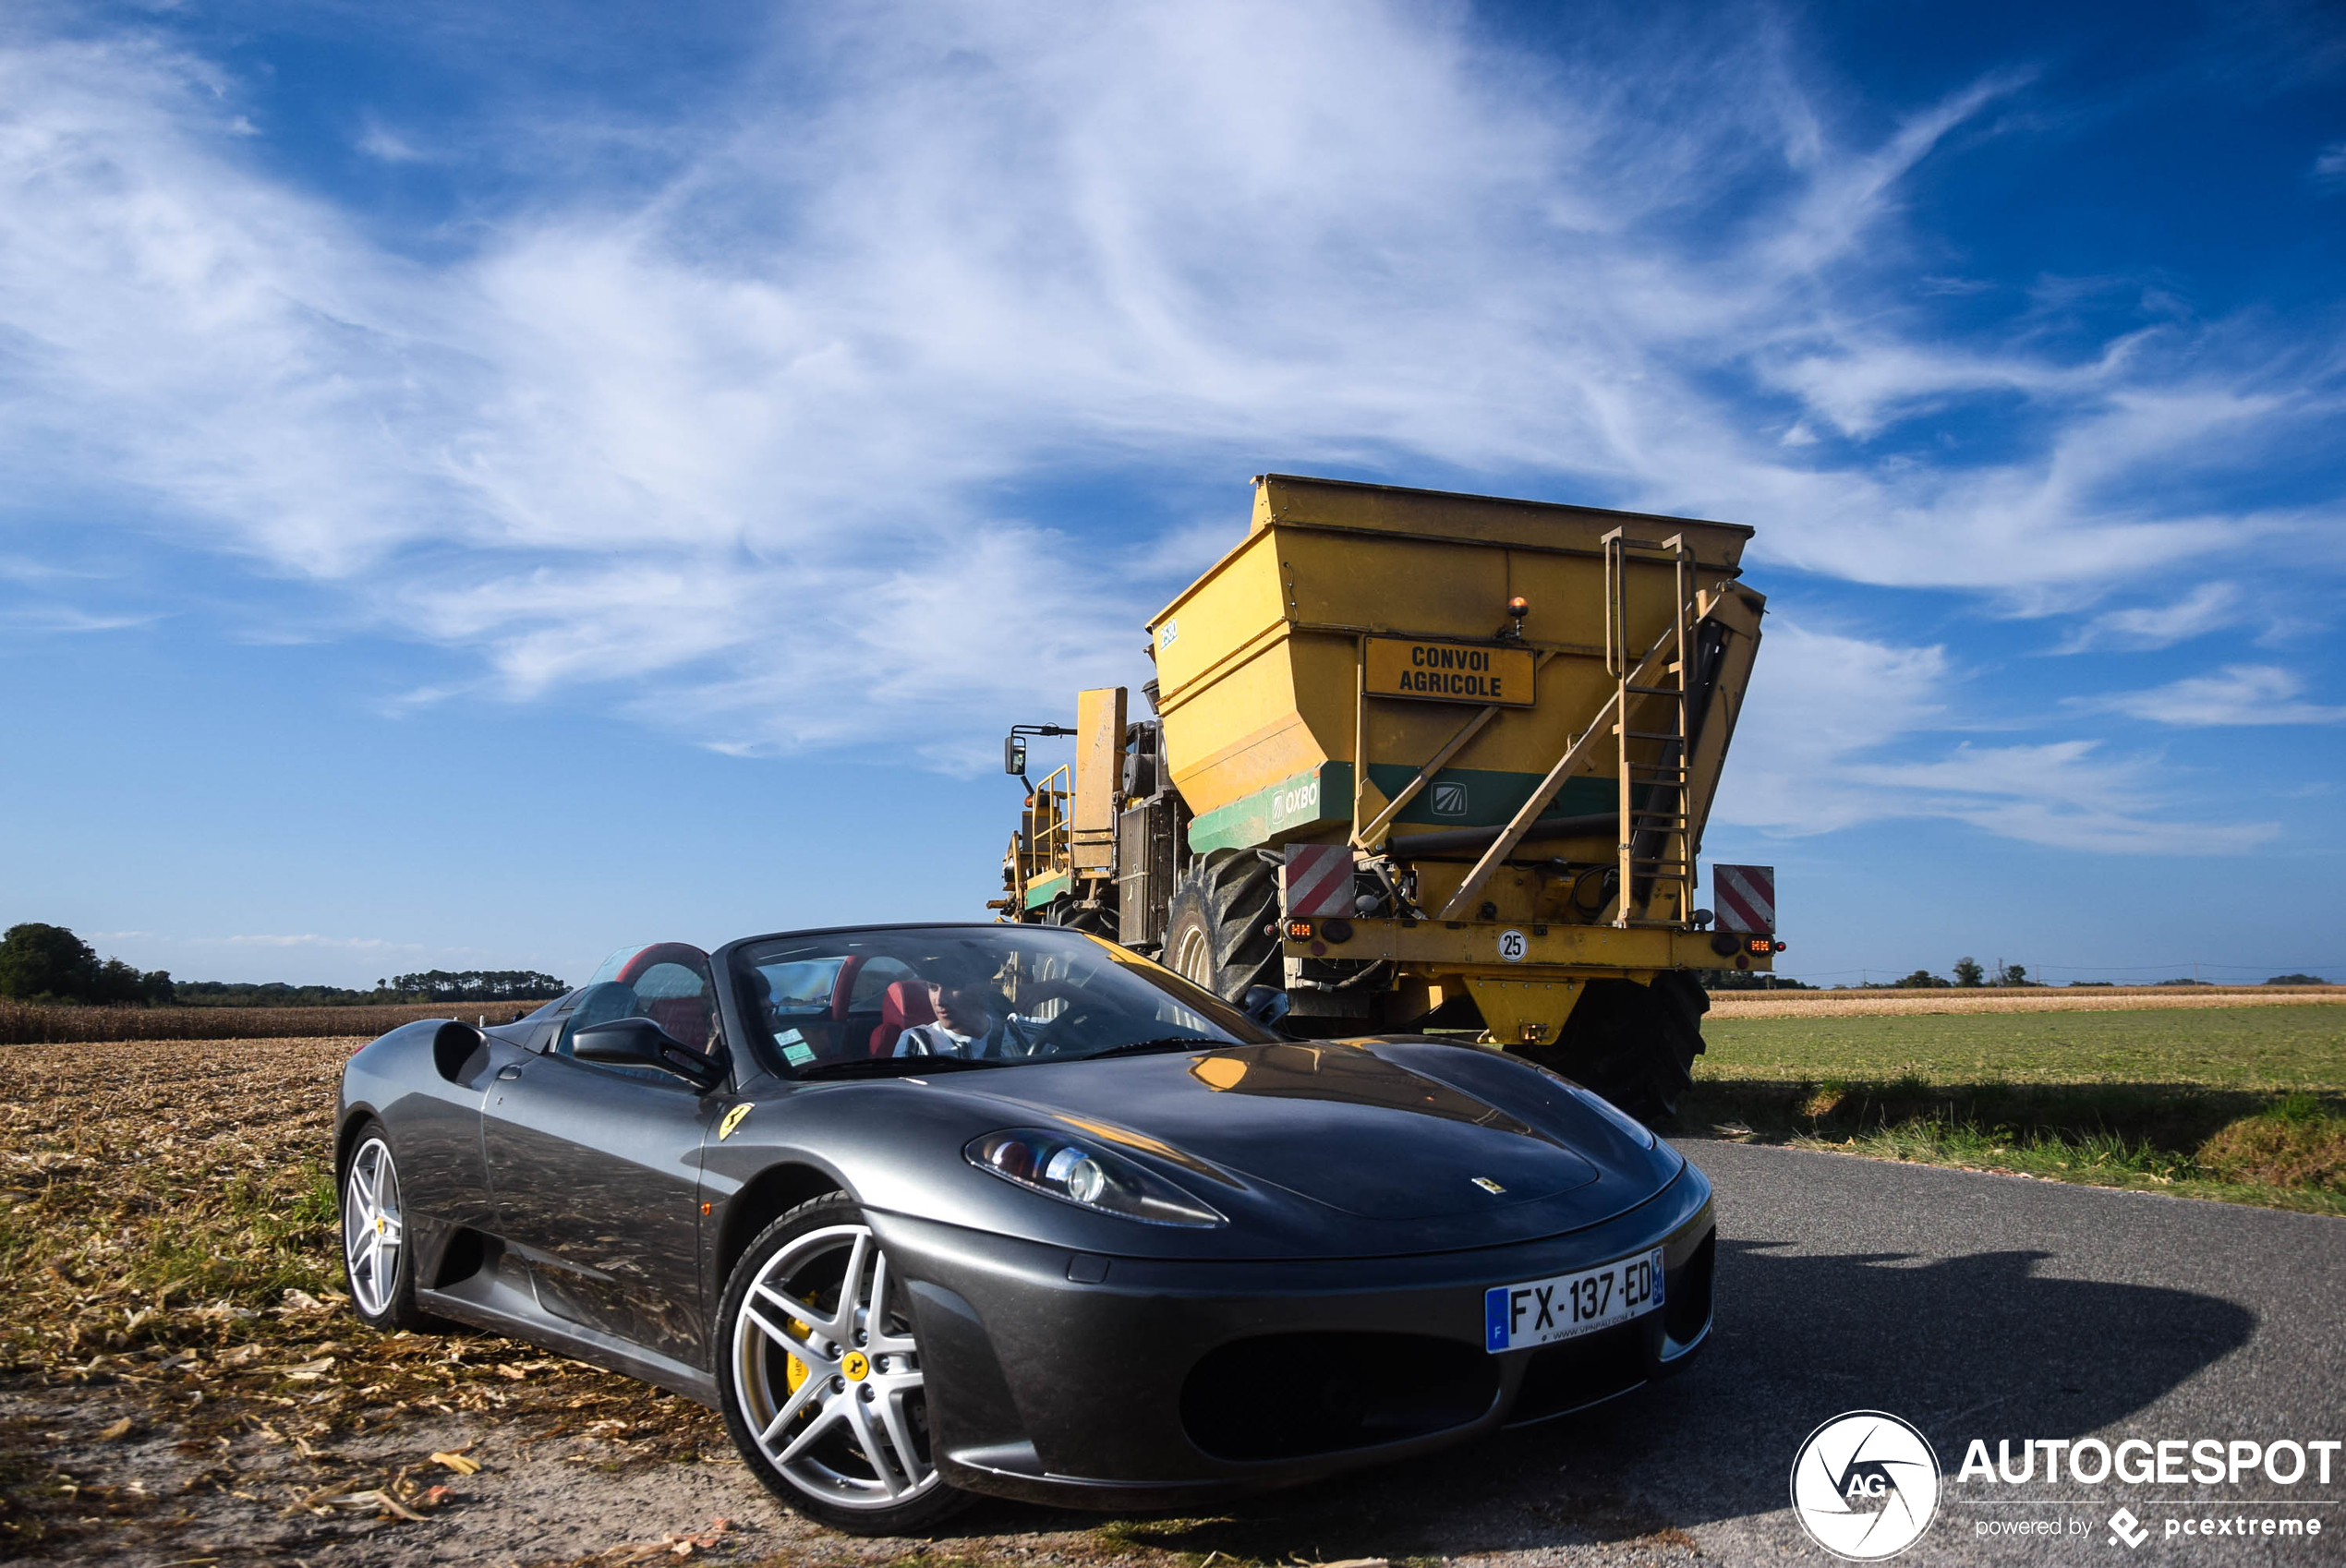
1544	1311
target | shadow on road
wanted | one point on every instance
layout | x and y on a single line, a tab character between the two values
1971	1345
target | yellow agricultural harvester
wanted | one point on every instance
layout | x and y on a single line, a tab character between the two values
1422	760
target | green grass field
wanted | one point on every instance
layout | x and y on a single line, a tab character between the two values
2245	1104
2276	1048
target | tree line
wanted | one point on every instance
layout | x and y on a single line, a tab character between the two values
49	963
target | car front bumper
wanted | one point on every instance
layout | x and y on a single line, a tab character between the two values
1069	1378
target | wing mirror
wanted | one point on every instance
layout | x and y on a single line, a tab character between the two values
1014	756
1266	1005
640	1042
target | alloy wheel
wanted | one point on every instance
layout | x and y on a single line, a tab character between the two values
373	1231
828	1376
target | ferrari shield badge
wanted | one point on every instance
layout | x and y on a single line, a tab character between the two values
732	1120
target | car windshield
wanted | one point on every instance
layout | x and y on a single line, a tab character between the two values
840	1003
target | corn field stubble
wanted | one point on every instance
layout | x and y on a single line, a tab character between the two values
63	1023
169	1248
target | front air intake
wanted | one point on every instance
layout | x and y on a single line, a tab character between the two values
1284	1396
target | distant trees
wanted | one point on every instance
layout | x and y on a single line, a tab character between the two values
1969	973
2297	979
479	985
431	985
41	962
1748	980
1922	979
49	963
274	994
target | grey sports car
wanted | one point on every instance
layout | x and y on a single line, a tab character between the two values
930	1212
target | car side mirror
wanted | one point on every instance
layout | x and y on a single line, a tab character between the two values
1266	1005
640	1042
1015	755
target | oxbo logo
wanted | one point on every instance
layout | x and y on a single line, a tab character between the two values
1300	802
1865	1486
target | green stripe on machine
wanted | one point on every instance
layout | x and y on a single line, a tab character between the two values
1456	797
1043	890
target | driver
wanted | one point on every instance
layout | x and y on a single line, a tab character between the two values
972	1018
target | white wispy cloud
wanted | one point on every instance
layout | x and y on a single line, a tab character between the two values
735	448
58	618
355	944
2236	694
1848	730
2205	608
2330	166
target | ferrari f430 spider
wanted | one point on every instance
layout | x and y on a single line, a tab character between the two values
930	1212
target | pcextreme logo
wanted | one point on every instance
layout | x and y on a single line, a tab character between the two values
1865	1486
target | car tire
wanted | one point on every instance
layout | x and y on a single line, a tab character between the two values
821	1379
1215	927
378	1261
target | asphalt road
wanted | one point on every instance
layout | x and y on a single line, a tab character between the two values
1973	1306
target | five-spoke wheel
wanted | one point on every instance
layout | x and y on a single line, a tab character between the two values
824	1389
376	1257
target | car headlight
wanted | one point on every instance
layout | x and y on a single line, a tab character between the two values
1086	1175
1615	1115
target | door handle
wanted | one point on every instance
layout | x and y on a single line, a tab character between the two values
508	1073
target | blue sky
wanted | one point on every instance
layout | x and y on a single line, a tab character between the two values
486	485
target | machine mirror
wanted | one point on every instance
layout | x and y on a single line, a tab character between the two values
1015	755
1266	1005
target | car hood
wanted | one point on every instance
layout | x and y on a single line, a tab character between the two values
1385	1144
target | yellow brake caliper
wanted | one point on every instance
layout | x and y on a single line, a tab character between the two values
796	1371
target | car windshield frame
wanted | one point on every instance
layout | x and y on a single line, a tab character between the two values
1077	961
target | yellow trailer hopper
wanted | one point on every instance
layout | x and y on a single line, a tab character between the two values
1423	759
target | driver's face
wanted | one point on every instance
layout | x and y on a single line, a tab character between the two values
963	1008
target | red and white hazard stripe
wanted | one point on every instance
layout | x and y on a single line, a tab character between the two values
1747	897
1316	880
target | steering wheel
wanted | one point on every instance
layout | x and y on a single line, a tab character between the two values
1082	1010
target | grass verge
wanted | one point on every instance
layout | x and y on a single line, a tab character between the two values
2245	1105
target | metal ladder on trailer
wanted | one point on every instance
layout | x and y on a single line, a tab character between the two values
1655	844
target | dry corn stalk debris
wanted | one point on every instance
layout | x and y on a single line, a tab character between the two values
169	1255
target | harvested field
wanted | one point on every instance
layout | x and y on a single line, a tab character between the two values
2024	999
178	1375
52	1023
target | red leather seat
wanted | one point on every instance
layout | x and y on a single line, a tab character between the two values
906	1004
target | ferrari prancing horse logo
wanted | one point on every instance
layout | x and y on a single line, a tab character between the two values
734	1119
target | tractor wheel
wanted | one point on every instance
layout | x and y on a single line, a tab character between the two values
1093	920
1634	1044
1217	933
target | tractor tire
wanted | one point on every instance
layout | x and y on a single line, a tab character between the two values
1634	1044
1220	930
1093	921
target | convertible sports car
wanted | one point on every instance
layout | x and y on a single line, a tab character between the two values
936	1211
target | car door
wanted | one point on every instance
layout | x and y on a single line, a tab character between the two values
595	1170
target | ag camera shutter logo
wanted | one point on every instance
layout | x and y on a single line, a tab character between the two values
1865	1486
